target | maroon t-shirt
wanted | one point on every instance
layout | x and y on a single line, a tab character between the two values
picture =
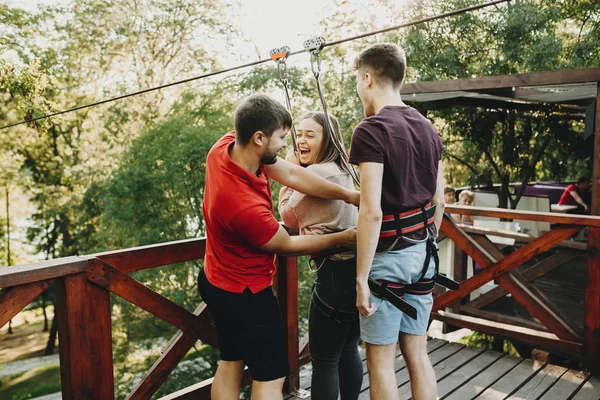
408	146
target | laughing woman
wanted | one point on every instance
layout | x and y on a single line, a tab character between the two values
333	319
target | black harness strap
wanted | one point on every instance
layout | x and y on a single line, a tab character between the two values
340	315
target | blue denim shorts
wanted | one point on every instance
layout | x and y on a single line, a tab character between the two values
403	266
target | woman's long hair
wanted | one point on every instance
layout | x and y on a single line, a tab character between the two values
328	152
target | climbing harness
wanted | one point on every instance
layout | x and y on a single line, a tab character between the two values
398	225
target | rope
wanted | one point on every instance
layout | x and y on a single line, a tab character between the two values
251	64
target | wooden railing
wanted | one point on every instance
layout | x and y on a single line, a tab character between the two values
557	331
84	285
83	312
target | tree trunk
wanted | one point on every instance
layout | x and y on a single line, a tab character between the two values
52	337
8	258
45	315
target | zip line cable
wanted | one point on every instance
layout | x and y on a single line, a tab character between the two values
251	64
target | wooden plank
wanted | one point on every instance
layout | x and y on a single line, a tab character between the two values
553	218
543	267
505	319
541	382
83	315
508	331
402	378
583	75
156	255
131	290
483	380
400	362
591	326
446	367
40	271
530	297
565	387
590	390
520	237
508	263
201	391
539	305
466	243
287	294
15	298
458	377
510	381
175	351
303	349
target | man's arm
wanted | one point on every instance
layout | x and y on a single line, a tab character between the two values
578	199
307	182
369	225
438	198
283	243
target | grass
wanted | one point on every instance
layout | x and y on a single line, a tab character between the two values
37	382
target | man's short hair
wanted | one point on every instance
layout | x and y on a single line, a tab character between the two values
583	179
259	112
449	189
385	61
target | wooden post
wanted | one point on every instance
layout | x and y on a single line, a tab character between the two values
85	339
287	293
460	265
591	328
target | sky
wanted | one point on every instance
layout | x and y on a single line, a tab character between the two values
268	24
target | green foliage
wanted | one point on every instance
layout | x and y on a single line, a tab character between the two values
35	383
131	173
489	342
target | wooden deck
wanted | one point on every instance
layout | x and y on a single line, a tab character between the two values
473	373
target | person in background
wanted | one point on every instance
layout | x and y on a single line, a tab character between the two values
575	195
449	198
465	198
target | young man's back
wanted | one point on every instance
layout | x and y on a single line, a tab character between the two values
409	148
399	154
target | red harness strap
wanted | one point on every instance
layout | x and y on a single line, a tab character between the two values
398	225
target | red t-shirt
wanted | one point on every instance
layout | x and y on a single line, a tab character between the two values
566	199
238	212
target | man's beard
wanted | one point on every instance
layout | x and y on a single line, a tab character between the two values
268	159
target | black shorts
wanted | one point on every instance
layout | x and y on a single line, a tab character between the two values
250	328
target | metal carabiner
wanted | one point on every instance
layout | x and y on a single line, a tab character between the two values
314	46
280	56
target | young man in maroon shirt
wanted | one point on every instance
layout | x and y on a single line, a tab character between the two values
242	238
399	154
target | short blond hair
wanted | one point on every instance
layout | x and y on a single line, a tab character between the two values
466	194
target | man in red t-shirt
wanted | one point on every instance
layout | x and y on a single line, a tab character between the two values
242	239
574	195
399	154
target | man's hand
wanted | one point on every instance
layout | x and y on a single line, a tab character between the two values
363	294
353	198
292	157
349	238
